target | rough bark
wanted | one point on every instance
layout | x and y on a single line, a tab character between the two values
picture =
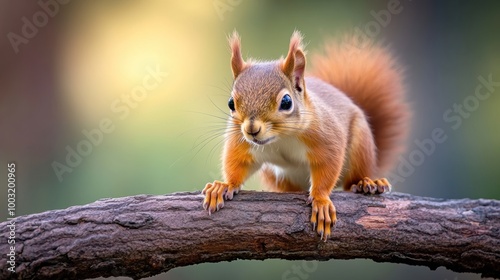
143	235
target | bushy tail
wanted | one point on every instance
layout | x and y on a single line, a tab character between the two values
369	75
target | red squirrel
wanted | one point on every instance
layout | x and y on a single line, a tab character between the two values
346	118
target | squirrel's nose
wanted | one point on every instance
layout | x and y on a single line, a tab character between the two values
253	130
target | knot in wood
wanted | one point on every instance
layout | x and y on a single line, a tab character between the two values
133	220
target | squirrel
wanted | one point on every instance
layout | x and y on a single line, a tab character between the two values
347	118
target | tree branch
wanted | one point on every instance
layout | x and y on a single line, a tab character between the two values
141	236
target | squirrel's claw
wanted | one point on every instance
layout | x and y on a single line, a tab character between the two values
214	195
323	216
368	186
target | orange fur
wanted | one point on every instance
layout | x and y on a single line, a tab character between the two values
236	161
295	55
237	62
325	157
362	154
369	75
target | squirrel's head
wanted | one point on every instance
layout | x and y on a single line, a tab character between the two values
268	100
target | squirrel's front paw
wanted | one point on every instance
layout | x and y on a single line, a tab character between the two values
215	193
371	187
324	216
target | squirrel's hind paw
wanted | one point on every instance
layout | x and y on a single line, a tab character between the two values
368	186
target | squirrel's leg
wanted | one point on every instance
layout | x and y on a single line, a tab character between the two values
325	170
363	161
324	215
238	165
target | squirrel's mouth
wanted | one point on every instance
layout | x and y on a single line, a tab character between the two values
262	142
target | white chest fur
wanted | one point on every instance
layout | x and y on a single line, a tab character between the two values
288	158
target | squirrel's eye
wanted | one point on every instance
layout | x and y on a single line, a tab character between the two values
286	102
230	103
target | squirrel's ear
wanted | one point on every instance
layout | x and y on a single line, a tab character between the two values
237	62
295	62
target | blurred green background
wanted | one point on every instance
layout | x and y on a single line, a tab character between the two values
91	54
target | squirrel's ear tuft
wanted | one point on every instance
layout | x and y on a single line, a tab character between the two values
295	62
237	62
